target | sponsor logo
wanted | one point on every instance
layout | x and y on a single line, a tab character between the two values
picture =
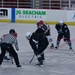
34	14
3	12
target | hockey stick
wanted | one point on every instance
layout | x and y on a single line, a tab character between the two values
73	51
32	59
34	56
70	49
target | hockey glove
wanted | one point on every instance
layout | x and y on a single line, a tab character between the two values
17	49
60	31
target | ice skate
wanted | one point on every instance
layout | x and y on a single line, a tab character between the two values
70	47
52	46
18	66
56	47
39	64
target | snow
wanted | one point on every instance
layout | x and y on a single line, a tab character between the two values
58	62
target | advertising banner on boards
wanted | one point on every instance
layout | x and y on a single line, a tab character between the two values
5	13
30	14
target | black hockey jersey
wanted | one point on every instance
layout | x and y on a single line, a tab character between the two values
63	29
37	39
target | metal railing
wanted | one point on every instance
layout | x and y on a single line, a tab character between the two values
66	4
41	4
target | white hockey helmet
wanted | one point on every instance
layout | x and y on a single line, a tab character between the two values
61	22
28	35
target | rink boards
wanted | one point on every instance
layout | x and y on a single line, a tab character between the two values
31	16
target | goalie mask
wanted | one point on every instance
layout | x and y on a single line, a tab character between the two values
28	35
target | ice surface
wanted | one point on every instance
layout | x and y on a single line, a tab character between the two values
58	62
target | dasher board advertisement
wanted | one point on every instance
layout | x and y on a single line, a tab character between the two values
30	14
5	13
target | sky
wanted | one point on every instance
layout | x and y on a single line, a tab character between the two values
57	62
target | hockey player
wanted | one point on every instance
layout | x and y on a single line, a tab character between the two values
47	30
63	33
7	45
39	43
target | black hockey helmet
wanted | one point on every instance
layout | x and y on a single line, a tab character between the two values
11	31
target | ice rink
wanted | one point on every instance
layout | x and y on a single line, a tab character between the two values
58	62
